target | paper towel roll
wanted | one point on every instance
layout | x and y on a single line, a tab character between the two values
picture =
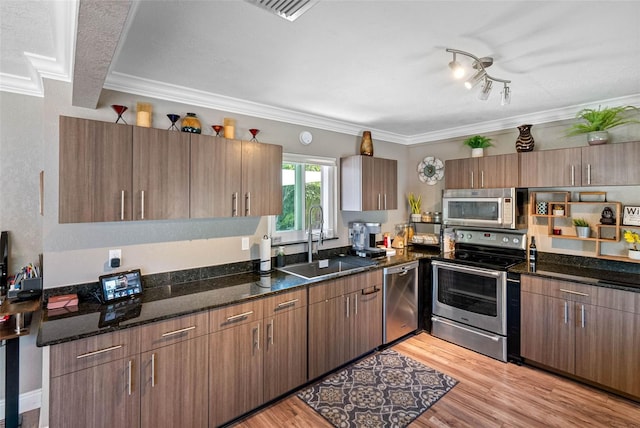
265	254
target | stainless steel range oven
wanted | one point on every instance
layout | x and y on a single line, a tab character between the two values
470	290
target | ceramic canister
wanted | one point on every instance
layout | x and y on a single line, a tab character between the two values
541	208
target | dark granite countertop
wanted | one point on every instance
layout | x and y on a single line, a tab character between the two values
173	300
591	271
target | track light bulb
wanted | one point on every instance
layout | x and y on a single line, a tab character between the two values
486	90
506	95
456	68
475	79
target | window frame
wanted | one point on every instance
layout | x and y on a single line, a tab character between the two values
329	201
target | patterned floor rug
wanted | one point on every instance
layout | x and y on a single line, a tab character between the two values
387	389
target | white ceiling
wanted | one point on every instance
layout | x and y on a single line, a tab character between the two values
343	65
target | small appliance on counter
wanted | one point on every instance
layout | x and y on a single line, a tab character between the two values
363	239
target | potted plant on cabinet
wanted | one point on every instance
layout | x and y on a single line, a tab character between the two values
582	227
633	238
415	204
477	143
599	121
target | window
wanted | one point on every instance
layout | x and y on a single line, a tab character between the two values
306	181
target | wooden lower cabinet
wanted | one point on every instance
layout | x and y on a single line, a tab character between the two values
344	327
587	331
174	387
104	396
235	372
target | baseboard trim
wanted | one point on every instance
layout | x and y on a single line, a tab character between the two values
27	401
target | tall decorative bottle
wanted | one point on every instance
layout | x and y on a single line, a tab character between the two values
366	145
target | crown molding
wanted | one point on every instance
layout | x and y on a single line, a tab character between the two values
65	21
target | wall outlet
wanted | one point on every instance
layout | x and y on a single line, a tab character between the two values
115	258
245	243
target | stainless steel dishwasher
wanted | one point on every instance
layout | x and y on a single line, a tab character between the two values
400	304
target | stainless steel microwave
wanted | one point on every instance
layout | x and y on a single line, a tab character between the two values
489	208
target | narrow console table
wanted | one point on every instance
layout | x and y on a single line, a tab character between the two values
10	331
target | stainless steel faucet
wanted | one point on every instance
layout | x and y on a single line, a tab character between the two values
310	222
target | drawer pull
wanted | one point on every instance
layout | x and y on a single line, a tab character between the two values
100	351
375	290
577	293
182	330
287	303
129	372
239	316
153	370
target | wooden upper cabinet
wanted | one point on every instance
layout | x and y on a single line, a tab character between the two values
611	164
261	179
160	174
498	171
95	171
550	168
488	172
216	177
368	183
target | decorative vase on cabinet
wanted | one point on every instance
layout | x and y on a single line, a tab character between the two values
366	146
191	124
525	142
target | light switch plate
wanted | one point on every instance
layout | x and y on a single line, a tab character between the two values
245	243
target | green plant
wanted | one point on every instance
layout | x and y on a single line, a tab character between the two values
478	142
414	203
632	238
601	119
580	222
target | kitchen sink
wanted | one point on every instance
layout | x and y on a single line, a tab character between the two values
330	268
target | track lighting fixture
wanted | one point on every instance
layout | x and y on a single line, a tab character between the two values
481	75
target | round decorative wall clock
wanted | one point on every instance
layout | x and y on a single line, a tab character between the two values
430	170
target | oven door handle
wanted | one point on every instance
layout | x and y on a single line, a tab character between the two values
492	337
460	268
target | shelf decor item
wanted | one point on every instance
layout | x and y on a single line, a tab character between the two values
144	114
599	121
631	216
477	143
191	124
415	204
254	132
217	129
120	111
366	145
525	142
542	208
582	228
229	128
173	118
558	210
633	238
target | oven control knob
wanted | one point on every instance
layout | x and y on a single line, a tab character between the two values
461	236
469	236
505	239
516	240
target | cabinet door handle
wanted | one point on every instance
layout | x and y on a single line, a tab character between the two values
582	313
472	179
122	205
379	203
287	303
347	308
375	290
566	312
573	175
182	330
574	292
482	179
355	304
270	332
129	373
385	201
247	201
256	339
589	174
153	370
142	204
239	316
234	200
100	351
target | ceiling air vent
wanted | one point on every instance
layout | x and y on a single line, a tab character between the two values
287	9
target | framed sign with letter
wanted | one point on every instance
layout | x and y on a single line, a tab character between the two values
631	216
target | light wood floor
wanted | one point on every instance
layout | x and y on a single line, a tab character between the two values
489	394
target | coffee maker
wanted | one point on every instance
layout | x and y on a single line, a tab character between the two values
363	239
